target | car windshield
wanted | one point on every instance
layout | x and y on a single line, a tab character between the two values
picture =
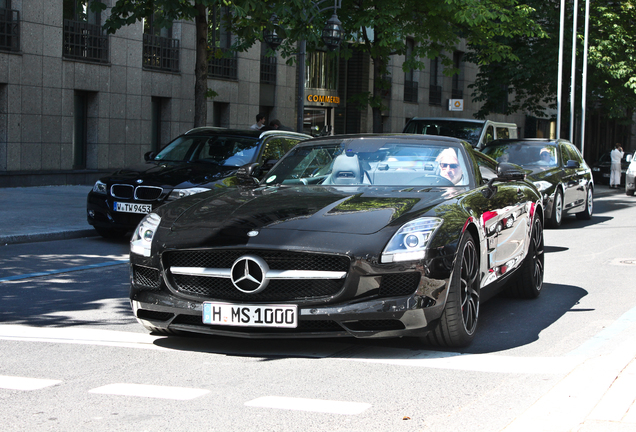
524	154
378	162
463	130
221	150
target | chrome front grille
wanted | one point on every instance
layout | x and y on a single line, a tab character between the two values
147	193
140	193
286	289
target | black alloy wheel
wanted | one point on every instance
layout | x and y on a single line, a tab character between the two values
557	210
529	280
457	325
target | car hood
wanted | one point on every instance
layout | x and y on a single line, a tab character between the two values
349	210
172	173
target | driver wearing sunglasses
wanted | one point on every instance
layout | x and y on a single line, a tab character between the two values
449	165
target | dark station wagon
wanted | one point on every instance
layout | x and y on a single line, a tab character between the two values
197	161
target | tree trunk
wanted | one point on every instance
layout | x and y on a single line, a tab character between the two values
376	106
201	67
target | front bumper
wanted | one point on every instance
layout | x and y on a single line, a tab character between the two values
379	318
100	213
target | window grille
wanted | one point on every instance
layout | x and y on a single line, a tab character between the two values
9	30
84	41
268	70
223	67
160	53
410	91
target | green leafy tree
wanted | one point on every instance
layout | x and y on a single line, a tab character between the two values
531	77
381	27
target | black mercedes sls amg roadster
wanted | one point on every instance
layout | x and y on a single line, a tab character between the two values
351	235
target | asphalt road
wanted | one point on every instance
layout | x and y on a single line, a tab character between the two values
74	358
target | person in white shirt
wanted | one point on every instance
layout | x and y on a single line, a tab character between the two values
615	171
260	122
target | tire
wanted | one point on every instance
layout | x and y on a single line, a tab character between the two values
629	192
111	233
457	325
529	281
557	210
589	206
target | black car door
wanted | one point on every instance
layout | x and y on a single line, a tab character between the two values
576	177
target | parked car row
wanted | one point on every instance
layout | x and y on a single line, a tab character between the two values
274	234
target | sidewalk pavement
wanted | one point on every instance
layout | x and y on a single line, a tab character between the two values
45	213
32	214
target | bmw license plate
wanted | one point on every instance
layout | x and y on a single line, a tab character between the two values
132	208
250	315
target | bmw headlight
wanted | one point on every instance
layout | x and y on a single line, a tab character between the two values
180	193
99	187
141	240
542	185
410	241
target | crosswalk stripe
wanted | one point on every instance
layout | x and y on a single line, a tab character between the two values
150	391
312	405
22	383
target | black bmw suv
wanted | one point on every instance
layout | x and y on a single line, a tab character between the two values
198	160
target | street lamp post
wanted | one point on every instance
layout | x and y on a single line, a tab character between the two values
331	36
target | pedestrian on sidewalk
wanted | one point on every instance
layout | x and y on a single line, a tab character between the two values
260	122
616	156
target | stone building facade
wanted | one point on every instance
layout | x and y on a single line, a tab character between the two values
76	103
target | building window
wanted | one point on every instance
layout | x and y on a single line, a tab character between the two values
221	114
160	51
435	88
268	66
84	38
410	76
9	27
223	62
80	129
321	71
160	117
457	89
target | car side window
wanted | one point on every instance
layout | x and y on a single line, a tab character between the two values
574	153
277	147
503	133
490	134
487	167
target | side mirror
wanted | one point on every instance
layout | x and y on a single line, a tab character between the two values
148	156
510	172
572	164
247	173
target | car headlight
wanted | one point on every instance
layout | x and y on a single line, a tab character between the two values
141	240
410	241
180	193
542	185
99	187
631	169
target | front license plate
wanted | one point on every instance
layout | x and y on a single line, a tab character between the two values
250	315
132	208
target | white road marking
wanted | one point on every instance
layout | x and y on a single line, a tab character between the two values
150	391
312	405
82	336
21	383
